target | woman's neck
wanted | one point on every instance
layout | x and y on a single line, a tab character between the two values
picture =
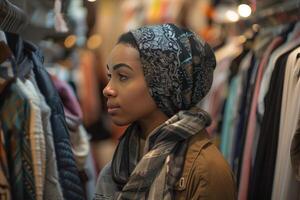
148	124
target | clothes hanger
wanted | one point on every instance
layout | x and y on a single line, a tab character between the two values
12	18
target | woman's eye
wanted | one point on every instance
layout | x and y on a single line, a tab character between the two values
122	77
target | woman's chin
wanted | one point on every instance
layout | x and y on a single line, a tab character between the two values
120	122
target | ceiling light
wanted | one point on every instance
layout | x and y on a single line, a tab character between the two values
244	10
94	41
232	16
70	41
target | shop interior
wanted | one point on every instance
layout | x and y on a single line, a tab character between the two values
254	100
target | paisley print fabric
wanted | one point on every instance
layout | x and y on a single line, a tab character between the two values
178	66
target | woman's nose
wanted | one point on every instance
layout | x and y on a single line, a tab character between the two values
108	91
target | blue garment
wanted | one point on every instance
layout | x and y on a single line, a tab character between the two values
68	172
227	135
243	118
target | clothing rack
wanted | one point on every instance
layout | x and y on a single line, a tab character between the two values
281	13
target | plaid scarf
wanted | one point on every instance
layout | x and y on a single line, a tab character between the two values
154	176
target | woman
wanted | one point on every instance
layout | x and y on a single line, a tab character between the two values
157	75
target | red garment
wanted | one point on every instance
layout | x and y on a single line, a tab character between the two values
88	89
71	105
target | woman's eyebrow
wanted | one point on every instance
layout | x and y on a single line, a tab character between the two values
117	66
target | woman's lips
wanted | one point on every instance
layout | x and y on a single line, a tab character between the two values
112	109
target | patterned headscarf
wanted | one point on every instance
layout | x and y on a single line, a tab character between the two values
178	66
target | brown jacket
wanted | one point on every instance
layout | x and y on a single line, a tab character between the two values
206	174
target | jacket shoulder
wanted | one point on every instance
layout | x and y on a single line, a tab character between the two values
206	174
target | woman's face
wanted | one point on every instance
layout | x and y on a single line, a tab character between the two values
127	94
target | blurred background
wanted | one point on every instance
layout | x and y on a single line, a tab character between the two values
76	36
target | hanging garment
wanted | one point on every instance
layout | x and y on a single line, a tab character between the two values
295	152
214	100
228	120
53	188
265	83
243	111
27	56
241	76
246	166
88	89
4	175
285	185
14	108
68	172
249	81
262	175
78	135
71	105
36	136
230	111
231	114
